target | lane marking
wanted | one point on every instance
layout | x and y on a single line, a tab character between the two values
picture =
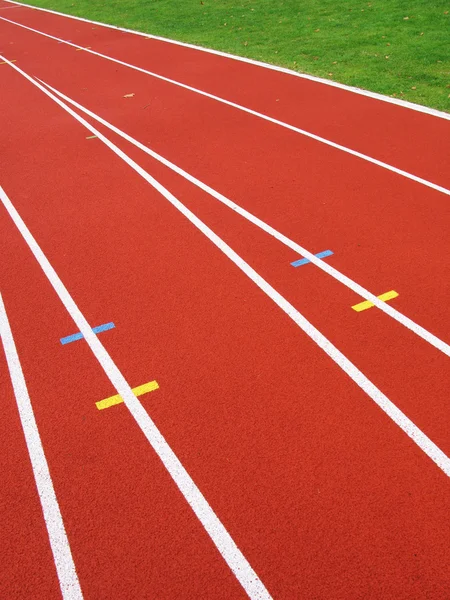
6	63
79	336
223	541
403	103
367	304
249	111
305	261
122	387
59	543
349	283
137	391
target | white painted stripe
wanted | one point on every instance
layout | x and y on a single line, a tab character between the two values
249	111
355	287
213	526
403	103
430	449
65	568
217	532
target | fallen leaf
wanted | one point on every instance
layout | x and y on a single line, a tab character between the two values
414	87
405	18
128	95
388	44
386	57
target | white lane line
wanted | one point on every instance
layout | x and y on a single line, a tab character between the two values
355	287
62	555
403	103
219	535
215	529
419	438
308	134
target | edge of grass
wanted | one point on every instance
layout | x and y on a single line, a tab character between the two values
378	46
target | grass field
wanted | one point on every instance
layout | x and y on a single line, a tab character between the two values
397	48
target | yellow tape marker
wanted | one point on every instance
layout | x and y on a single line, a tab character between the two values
367	304
91	137
137	391
80	49
5	63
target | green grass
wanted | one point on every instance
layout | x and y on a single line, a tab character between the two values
397	48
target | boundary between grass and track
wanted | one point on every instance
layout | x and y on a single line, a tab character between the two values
122	387
244	109
59	543
403	103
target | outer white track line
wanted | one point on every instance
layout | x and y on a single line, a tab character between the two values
122	387
249	111
403	103
355	287
62	555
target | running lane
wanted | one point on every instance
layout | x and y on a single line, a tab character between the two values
132	533
314	194
385	131
27	562
324	495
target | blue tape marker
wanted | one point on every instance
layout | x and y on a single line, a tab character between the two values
305	261
80	336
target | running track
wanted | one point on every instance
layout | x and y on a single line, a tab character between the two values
313	439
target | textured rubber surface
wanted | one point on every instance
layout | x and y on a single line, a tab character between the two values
324	495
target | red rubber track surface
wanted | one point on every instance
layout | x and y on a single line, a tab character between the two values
409	140
322	492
